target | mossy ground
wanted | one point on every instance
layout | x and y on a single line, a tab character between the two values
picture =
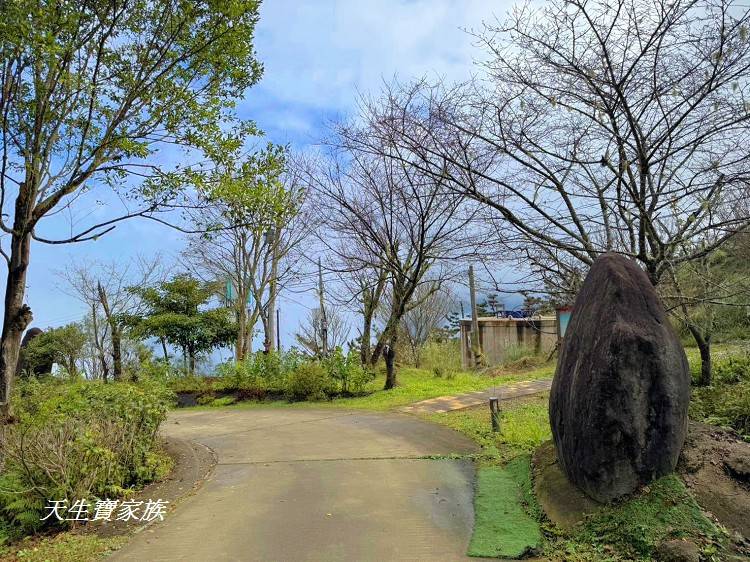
628	530
503	526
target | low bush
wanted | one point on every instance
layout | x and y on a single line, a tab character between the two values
82	440
727	405
310	381
732	370
442	358
273	375
727	401
259	374
347	371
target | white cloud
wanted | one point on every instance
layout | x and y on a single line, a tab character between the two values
318	54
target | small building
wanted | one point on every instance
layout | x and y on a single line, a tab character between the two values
497	336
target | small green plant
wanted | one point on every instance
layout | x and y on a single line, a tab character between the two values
441	372
732	370
348	372
442	358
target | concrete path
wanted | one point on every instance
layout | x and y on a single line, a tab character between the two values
317	485
449	403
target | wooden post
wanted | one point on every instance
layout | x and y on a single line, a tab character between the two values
476	346
495	414
323	318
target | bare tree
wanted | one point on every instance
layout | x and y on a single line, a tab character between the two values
597	126
420	322
389	219
310	334
700	291
102	287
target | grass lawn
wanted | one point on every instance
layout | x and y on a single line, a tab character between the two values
413	385
524	425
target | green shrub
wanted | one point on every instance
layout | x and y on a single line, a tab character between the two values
726	405
348	372
260	373
310	381
442	358
223	401
81	440
732	370
190	383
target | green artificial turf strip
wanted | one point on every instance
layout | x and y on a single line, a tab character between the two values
502	527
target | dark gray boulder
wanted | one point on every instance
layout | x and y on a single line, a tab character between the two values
619	399
22	369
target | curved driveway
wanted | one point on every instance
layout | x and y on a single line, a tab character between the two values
317	485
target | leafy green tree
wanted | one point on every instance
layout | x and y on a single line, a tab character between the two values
176	313
63	346
88	91
250	229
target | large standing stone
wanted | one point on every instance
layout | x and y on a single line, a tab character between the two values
619	400
21	366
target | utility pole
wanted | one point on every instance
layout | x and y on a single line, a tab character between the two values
278	331
476	347
323	317
273	240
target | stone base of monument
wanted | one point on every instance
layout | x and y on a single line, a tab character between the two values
563	503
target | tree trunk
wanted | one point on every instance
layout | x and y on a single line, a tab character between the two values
99	345
16	318
164	349
116	334
270	324
704	347
389	354
367	312
240	346
390	330
116	353
364	349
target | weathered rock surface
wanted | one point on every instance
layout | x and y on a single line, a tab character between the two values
563	503
21	367
678	551
738	465
619	399
711	464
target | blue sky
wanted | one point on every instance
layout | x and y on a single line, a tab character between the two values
317	55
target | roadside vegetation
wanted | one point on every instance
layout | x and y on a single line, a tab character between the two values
631	529
77	441
552	154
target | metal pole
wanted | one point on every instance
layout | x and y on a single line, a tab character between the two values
278	332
